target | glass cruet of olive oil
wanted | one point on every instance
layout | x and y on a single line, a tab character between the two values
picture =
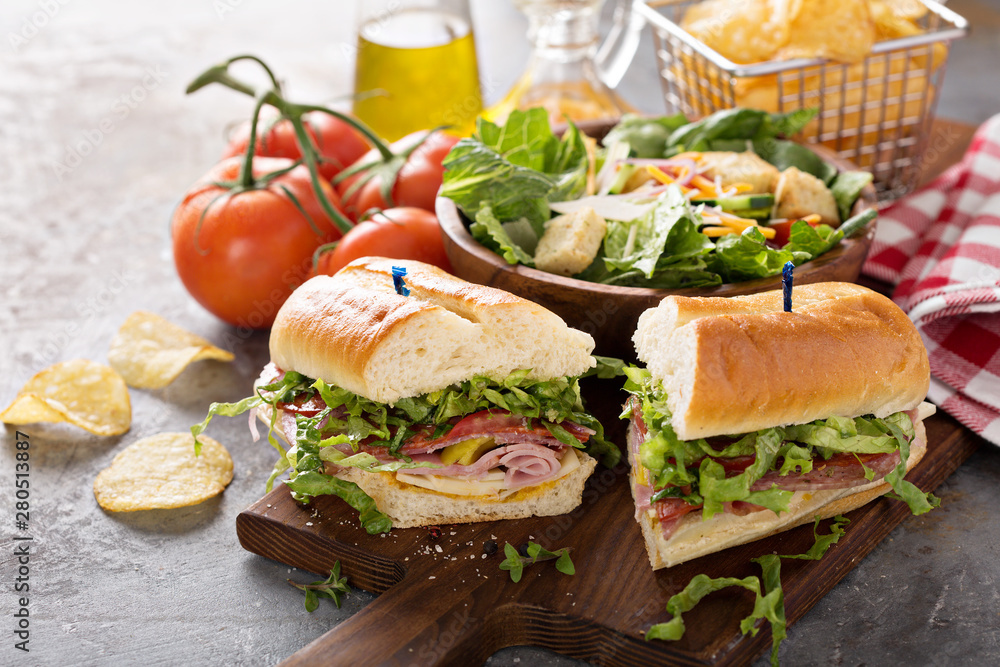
416	67
568	72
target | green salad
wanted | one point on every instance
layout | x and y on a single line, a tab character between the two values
665	203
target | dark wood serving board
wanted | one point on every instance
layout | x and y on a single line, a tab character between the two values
441	602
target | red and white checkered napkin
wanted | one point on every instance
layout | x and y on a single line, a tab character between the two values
941	248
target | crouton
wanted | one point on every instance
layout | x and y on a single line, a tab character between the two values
731	168
570	242
799	194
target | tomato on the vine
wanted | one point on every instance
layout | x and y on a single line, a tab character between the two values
240	251
396	233
339	144
417	183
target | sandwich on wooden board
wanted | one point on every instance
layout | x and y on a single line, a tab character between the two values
422	399
749	420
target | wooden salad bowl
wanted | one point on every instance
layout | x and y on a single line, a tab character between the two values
610	312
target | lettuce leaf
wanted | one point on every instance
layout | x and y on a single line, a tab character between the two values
769	598
747	256
670	460
489	231
646	137
516	169
846	189
310	484
670	230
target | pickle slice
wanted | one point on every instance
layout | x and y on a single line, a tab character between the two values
466	452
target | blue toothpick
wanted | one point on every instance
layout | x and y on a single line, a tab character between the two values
397	280
786	285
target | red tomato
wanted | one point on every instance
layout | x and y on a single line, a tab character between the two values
339	144
417	183
396	233
782	231
240	254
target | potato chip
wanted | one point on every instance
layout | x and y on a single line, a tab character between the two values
162	472
745	31
81	392
904	9
841	30
150	352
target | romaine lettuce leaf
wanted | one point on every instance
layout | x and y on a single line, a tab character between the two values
813	241
669	230
488	230
313	483
647	137
516	168
746	256
784	154
846	189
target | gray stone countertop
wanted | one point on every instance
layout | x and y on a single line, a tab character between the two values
85	246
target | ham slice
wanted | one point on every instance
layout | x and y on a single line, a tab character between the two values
526	463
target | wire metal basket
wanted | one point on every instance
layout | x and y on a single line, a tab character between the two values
876	113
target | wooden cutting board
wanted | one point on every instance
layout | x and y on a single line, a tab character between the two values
443	603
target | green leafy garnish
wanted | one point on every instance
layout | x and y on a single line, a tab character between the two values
516	169
769	600
671	461
333	587
515	562
379	425
846	189
504	178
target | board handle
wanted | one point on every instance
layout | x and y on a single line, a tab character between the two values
415	625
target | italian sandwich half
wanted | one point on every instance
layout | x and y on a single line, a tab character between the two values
748	420
445	402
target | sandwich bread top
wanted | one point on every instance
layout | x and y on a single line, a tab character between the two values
355	331
736	365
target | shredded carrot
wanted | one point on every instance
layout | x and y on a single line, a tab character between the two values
706	186
660	175
663	177
715	232
813	218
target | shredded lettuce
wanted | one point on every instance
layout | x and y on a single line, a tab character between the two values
378	424
671	460
769	598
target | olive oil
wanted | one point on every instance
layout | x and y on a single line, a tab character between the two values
416	70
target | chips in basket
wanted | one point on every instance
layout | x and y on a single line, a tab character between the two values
162	472
150	352
873	95
81	392
836	29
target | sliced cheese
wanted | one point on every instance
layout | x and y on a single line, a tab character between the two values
925	410
490	484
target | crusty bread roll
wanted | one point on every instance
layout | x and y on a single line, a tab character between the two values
354	331
694	537
742	364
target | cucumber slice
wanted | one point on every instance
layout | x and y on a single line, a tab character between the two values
740	202
621	178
